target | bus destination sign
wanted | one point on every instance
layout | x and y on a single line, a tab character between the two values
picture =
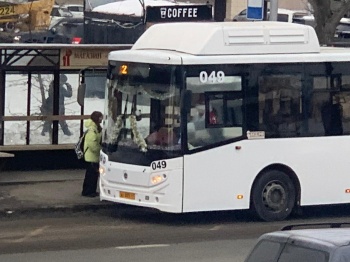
183	13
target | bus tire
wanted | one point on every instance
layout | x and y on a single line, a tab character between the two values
273	196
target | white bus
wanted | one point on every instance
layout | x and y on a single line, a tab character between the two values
227	116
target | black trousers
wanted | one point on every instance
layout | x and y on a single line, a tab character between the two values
91	178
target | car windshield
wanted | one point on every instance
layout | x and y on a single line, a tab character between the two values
143	108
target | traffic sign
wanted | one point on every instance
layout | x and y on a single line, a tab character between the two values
255	9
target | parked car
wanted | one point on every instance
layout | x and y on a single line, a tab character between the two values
283	15
67	31
58	13
76	10
327	242
241	16
342	31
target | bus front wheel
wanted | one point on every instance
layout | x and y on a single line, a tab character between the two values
273	196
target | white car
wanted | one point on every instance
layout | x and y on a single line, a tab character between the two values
283	15
58	13
76	10
309	244
241	16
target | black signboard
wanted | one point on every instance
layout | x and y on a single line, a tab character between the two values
179	13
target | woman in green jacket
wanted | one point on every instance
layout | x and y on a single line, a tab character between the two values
92	147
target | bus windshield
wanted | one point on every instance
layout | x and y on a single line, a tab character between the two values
142	112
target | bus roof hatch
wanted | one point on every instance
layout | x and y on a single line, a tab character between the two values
230	38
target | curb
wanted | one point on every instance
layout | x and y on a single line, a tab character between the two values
31	182
53	209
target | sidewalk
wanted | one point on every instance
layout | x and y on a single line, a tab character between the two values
26	191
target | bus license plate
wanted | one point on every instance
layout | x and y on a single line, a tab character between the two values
127	195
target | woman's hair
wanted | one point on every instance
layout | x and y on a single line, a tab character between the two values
95	116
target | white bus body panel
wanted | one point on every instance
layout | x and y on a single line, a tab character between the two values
166	196
214	178
172	58
230	38
149	56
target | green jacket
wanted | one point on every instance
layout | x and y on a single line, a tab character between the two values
92	144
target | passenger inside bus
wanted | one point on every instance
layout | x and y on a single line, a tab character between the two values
163	136
198	132
332	114
286	118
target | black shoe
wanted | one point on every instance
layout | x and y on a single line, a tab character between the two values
91	195
43	133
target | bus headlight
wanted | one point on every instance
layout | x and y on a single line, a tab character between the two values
158	178
102	171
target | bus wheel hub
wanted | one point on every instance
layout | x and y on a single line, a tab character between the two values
274	196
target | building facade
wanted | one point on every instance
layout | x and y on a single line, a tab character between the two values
233	7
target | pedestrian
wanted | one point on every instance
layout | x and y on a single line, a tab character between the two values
47	108
92	147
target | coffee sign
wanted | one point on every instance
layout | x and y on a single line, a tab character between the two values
183	13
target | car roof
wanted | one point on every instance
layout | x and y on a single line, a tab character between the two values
289	11
322	236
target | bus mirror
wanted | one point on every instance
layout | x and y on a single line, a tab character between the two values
81	94
186	101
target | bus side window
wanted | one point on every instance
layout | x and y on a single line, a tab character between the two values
280	105
332	114
228	110
287	115
268	114
234	112
215	110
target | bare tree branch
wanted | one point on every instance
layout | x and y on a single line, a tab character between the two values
328	14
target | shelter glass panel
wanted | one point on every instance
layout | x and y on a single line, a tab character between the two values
95	82
69	109
39	99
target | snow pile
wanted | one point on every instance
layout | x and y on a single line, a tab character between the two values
134	7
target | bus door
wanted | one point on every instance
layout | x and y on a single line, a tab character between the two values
215	118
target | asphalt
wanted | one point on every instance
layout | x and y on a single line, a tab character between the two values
29	191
